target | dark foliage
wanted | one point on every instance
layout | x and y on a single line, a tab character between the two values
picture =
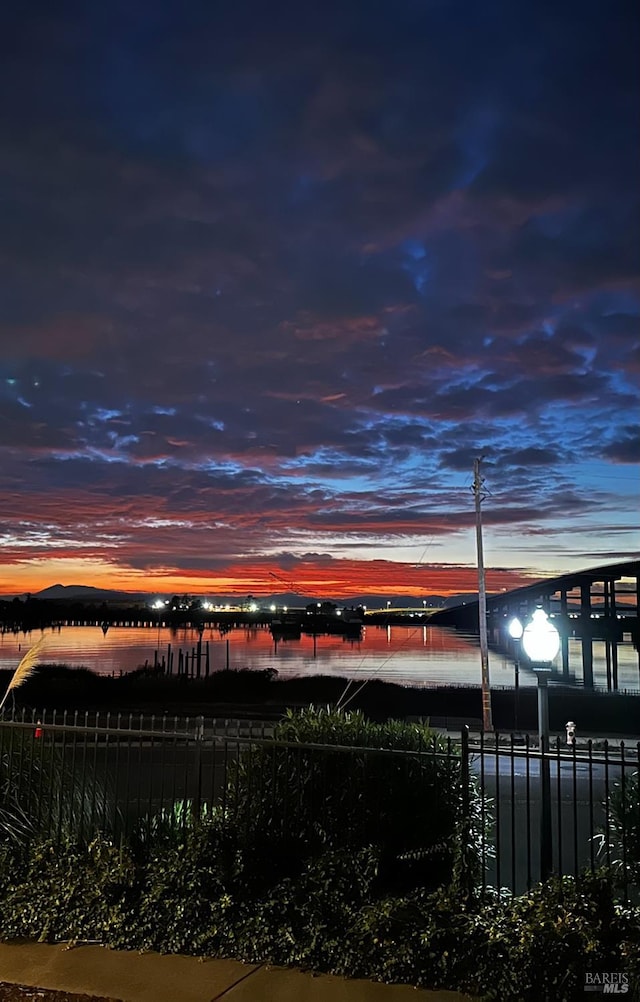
330	782
190	895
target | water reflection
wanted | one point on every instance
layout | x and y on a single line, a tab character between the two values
418	656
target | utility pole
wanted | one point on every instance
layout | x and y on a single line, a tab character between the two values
478	482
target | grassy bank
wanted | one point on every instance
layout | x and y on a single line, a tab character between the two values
262	693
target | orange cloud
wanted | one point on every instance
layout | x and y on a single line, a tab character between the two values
340	579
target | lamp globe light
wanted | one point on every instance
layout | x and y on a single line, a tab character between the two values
515	628
540	638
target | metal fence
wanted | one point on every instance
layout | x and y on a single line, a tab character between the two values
536	813
80	773
562	810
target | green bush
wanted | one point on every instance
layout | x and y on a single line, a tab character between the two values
306	921
541	944
328	780
190	894
54	892
619	846
192	888
535	947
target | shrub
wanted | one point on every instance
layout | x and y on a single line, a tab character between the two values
54	892
541	944
619	846
190	895
191	887
328	780
307	921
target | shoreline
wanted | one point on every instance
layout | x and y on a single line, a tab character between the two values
262	695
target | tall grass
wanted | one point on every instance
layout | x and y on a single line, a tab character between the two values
24	670
42	793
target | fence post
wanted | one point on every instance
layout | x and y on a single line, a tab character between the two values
465	877
198	795
545	811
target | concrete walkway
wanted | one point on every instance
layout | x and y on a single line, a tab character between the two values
134	977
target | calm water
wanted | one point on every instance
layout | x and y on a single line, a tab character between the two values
420	656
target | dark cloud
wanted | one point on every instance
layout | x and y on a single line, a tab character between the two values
535	457
292	268
625	449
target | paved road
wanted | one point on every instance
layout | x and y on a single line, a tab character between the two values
578	795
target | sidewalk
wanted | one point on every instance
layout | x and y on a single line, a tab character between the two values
124	976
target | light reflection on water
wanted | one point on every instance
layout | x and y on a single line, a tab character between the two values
419	656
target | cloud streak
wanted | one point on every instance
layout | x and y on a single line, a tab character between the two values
271	283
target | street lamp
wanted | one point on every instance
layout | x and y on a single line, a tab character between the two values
516	629
540	638
541	642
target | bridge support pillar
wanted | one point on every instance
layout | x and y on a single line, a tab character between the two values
587	634
564	645
564	634
587	660
585	599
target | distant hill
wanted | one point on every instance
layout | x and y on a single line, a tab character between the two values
454	600
85	593
287	598
91	595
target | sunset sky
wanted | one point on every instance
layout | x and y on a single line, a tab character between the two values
273	274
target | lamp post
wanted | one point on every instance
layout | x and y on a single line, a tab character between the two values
516	630
541	642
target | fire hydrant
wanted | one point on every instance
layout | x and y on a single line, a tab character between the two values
570	728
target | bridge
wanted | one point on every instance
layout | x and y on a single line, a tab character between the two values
596	603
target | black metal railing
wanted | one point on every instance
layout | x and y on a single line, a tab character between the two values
526	811
561	809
